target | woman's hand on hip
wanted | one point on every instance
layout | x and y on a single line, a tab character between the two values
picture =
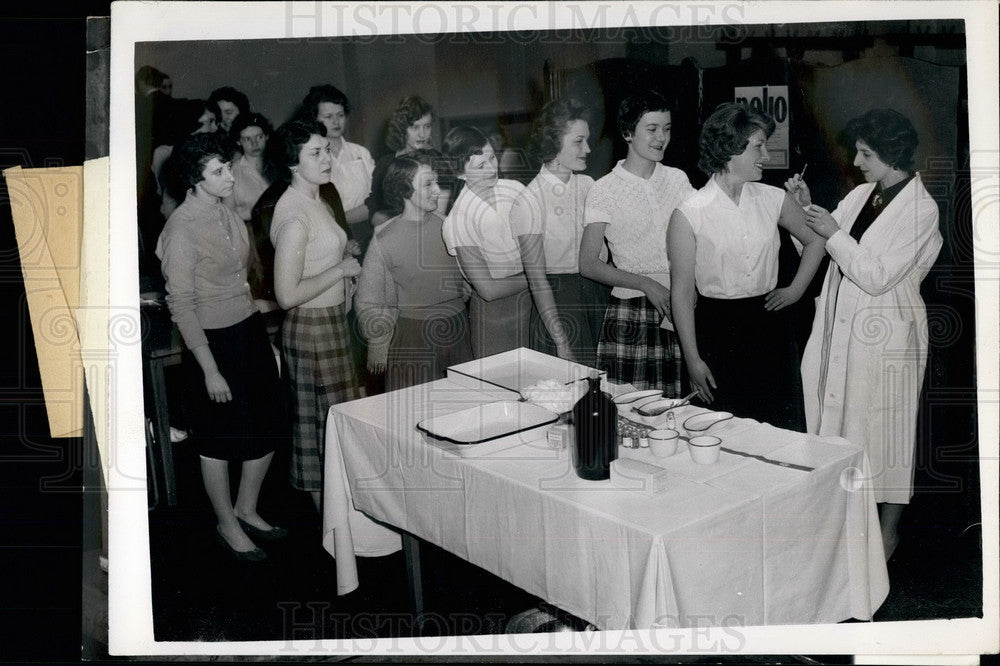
218	388
781	298
702	379
819	220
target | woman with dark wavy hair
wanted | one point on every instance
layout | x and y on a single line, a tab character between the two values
411	295
737	340
864	363
547	221
410	128
313	271
477	231
235	386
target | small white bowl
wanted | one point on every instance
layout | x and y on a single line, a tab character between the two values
663	443
704	449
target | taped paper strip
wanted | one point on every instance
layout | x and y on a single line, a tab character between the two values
47	209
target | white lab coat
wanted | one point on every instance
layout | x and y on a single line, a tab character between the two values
864	363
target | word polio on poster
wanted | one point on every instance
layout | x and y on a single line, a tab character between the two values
772	100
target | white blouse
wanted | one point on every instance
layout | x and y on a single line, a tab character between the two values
736	253
637	212
352	174
474	223
554	209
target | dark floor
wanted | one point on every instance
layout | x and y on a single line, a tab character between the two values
202	593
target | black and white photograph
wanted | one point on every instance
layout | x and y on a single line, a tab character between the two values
626	329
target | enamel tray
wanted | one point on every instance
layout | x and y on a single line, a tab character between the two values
489	427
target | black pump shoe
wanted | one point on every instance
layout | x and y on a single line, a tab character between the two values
255	555
273	534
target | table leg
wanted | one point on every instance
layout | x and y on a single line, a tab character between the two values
161	422
411	551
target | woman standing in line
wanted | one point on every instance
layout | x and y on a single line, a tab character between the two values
235	385
312	273
739	345
352	164
547	221
864	363
411	295
630	208
410	128
477	231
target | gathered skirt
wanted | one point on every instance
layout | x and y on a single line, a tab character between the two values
316	346
635	349
581	304
754	359
253	423
422	349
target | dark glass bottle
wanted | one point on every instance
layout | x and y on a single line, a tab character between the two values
595	418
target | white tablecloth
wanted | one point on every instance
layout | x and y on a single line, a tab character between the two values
741	542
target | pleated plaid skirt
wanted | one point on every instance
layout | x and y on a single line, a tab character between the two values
316	346
634	348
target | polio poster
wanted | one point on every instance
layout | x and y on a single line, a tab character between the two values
772	100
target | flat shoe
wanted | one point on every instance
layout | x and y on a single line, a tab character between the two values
273	534
255	555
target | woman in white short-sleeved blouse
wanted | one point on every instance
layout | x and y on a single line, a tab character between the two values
739	345
547	221
477	232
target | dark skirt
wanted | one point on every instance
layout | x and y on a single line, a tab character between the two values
581	304
316	346
754	359
634	349
253	423
500	325
422	349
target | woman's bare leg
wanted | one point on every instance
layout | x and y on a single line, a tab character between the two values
251	480
215	474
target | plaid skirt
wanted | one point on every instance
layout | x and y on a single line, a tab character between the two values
316	346
634	349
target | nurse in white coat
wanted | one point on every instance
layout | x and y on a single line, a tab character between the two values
864	363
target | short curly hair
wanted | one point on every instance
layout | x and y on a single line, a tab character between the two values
634	107
551	126
408	111
397	186
889	133
727	132
319	94
190	156
284	148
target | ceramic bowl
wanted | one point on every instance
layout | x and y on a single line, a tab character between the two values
663	443
704	449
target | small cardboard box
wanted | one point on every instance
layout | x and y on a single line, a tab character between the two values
628	473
